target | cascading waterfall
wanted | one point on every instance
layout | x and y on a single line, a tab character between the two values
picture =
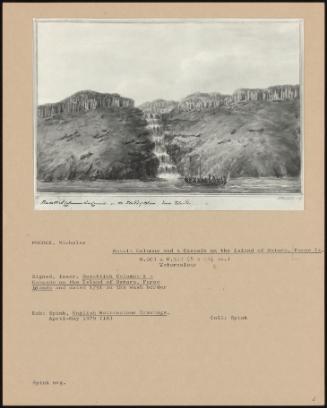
167	168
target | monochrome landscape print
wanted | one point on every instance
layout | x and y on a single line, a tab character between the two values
197	107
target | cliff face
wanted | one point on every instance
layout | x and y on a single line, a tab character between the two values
251	133
205	101
158	107
90	136
273	93
254	139
84	101
202	101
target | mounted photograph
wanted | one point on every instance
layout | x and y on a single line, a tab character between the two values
204	113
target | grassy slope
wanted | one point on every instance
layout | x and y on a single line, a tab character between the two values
250	140
102	143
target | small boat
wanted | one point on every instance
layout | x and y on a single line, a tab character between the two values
206	181
209	181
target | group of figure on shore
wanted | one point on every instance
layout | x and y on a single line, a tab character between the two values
210	180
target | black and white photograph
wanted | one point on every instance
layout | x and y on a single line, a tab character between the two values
210	110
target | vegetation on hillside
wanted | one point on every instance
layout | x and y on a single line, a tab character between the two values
250	139
111	143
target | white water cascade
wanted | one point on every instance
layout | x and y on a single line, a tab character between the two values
167	168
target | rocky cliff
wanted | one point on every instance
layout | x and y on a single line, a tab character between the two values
273	93
84	101
205	101
158	107
91	136
250	133
202	101
257	138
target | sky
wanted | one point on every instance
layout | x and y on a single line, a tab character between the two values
164	60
